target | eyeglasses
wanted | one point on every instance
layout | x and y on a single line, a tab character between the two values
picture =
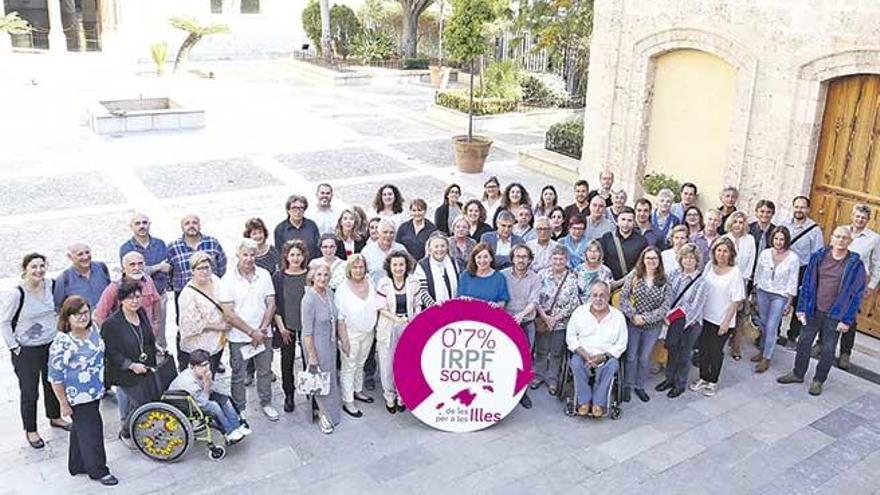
202	268
135	297
297	208
82	315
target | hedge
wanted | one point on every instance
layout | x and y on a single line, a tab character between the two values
418	63
458	100
566	138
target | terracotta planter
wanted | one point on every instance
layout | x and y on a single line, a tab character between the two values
470	156
437	75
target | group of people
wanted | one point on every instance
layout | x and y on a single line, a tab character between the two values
599	279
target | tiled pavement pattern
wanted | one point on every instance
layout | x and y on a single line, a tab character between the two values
285	134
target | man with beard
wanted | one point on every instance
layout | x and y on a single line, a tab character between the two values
324	215
133	268
581	200
179	253
806	239
84	277
156	266
622	247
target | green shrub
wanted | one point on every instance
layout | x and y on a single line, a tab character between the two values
501	80
344	26
416	63
372	44
655	181
458	100
311	21
543	90
566	138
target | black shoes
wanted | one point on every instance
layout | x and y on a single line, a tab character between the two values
363	398
663	386
526	402
353	414
401	408
392	409
289	406
108	480
36	444
627	394
642	395
675	392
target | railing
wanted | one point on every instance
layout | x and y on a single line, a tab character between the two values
347	64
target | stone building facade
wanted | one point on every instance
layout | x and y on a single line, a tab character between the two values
777	61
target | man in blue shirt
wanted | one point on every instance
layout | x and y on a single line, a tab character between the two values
806	239
155	254
84	277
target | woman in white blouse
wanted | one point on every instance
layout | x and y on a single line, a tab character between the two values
724	292
737	228
776	282
400	292
358	306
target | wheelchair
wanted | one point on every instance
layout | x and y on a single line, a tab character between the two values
165	430
567	394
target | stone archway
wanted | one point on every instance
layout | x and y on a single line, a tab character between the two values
641	83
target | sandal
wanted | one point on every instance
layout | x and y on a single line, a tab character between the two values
325	425
552	389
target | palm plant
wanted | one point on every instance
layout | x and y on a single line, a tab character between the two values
196	33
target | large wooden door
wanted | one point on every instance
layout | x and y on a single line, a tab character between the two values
848	164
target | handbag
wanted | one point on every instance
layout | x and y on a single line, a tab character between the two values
216	305
540	324
678	313
313	381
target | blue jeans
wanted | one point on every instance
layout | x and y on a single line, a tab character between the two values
680	344
122	403
598	394
770	308
220	408
639	345
826	328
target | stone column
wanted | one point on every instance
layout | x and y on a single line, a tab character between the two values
5	39
57	40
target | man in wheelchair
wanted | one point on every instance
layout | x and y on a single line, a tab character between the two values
596	335
198	380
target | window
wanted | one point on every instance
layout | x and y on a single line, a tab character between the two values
235	6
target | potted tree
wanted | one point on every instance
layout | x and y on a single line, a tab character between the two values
466	39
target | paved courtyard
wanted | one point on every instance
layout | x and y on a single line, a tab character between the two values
272	131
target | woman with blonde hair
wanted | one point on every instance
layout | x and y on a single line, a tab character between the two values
358	305
737	228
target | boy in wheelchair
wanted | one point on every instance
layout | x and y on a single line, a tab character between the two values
198	380
596	336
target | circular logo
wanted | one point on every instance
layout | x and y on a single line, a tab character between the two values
462	365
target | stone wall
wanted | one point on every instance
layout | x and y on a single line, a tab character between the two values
784	52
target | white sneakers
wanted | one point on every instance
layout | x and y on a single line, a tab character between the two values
708	388
698	385
709	391
270	412
235	436
244	430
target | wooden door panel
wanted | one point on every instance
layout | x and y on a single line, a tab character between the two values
848	165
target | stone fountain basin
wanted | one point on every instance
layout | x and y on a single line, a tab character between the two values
143	114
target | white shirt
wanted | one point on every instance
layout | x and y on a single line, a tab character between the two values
437	270
324	219
781	279
248	298
358	314
721	292
491	208
745	253
376	258
596	337
670	261
867	245
541	253
502	248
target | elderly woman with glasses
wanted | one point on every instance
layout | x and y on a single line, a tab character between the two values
131	351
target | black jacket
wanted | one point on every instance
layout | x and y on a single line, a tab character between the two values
340	248
123	349
441	218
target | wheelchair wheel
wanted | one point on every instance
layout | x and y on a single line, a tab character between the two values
615	412
161	431
216	452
